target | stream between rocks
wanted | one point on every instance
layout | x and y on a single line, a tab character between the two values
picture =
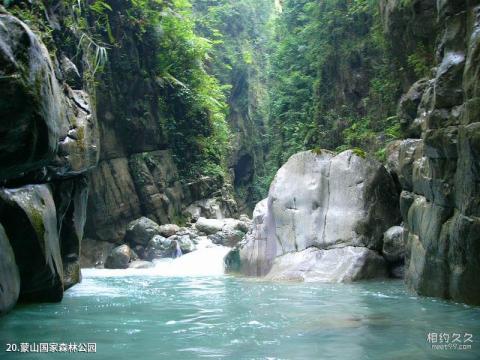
187	308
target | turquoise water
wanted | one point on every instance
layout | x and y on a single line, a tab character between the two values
150	317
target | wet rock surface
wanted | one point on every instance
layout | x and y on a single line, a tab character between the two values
439	167
322	202
119	258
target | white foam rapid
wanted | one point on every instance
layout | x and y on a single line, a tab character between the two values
207	260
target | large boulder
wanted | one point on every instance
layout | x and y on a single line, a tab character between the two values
9	275
227	237
119	258
345	264
323	201
209	226
213	226
29	217
394	245
160	247
141	231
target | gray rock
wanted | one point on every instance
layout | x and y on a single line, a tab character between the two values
94	253
70	73
209	226
29	217
393	244
113	201
212	208
398	271
157	185
168	230
119	258
60	124
227	237
322	201
141	231
9	275
160	247
27	78
441	204
140	264
213	226
186	245
408	108
70	198
410	151
345	264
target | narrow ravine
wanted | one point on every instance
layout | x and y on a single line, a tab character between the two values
239	179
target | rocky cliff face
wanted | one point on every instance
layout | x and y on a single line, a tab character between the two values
54	152
323	220
49	140
438	167
137	174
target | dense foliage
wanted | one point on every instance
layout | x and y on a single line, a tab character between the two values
240	33
193	102
333	84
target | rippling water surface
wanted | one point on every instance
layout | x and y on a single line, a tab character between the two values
150	317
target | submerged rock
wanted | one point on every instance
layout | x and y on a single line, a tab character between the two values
160	247
119	258
322	201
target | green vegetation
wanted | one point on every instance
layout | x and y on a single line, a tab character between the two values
228	81
332	83
240	32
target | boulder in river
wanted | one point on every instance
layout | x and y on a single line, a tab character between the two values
227	237
141	231
119	258
322	202
160	247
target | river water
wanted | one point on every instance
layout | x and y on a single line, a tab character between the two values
177	311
